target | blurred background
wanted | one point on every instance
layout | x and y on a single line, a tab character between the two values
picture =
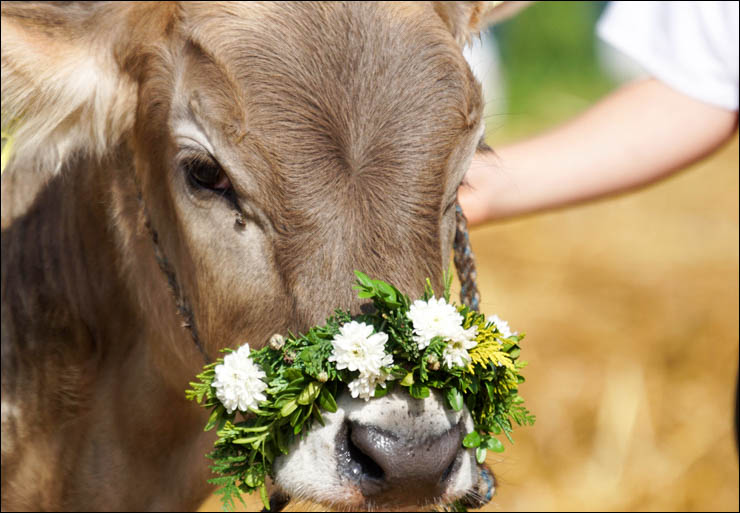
630	305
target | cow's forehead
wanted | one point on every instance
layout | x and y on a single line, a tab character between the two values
333	64
335	87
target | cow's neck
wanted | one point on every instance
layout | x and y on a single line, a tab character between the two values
91	337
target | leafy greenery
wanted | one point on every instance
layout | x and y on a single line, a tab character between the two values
303	383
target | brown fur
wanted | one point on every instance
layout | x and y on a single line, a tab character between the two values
343	129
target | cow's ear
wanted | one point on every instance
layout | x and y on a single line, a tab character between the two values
466	19
64	88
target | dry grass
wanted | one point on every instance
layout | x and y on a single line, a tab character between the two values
631	312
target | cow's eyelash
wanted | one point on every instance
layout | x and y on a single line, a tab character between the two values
197	165
203	171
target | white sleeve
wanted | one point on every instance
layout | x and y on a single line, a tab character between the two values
691	46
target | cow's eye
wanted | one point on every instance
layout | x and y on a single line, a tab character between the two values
205	173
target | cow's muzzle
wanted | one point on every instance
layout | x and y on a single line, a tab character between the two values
389	468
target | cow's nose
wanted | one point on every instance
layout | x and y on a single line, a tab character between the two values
386	466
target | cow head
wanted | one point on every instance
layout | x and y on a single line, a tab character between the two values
275	148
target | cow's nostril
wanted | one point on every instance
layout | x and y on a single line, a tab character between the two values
360	464
448	470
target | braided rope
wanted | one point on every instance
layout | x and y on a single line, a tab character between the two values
181	302
465	263
482	492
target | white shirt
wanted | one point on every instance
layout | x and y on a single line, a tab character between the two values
691	46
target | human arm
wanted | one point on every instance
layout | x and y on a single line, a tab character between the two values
639	134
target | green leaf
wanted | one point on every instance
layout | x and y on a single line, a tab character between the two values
418	391
255	429
221	423
364	279
249	479
473	384
213	419
248	441
310	393
288	408
454	399
282	441
297	383
480	455
447	277
385	289
292	374
326	401
268	452
316	413
387	293
494	444
490	391
380	392
472	439
263	496
470	401
428	290
408	380
295	417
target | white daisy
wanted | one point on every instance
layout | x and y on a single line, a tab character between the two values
455	354
357	348
364	386
434	318
238	382
501	325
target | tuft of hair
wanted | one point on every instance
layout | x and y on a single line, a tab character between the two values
466	19
62	92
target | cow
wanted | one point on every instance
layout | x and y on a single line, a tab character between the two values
192	176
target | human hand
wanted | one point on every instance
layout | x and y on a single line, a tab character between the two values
639	134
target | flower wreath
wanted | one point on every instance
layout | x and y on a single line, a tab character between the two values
281	389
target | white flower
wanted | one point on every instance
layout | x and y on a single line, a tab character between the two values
239	382
357	348
455	354
434	318
501	325
364	386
